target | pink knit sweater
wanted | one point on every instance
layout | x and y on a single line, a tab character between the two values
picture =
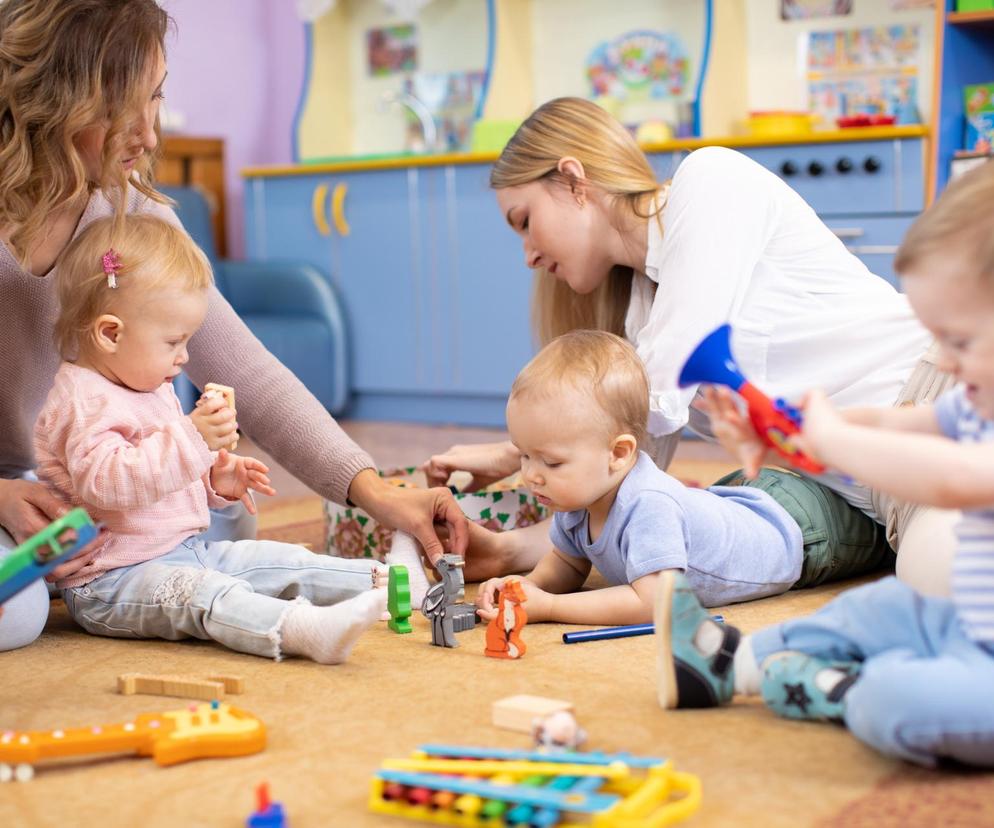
274	408
132	459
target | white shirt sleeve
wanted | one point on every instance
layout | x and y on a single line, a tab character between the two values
721	213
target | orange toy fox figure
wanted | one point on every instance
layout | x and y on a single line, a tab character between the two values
504	632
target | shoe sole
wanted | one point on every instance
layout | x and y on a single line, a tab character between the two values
666	687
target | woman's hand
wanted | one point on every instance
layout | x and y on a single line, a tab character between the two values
537	606
415	511
27	507
215	421
487	462
733	429
234	477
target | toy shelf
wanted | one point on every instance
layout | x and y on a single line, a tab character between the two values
976	18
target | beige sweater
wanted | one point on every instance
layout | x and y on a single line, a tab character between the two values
274	408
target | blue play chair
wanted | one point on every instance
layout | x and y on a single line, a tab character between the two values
289	306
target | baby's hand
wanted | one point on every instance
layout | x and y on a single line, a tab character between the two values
234	477
822	423
487	598
733	429
216	422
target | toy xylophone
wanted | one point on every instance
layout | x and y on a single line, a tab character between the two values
469	786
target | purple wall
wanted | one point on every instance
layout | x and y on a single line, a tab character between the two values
235	72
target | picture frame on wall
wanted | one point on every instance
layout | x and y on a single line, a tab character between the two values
804	9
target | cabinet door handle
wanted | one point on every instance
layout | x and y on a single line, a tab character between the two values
848	232
317	209
338	209
869	249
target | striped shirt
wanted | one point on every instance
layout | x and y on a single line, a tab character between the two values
973	564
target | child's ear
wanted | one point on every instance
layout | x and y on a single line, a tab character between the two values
106	331
623	449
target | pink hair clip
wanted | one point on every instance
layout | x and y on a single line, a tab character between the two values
112	264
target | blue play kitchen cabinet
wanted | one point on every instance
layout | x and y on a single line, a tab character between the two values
433	283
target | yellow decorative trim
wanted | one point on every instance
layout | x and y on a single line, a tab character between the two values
733	141
317	209
338	208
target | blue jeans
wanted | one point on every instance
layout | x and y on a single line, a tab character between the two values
25	614
234	592
924	689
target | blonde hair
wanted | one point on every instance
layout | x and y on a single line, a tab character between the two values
599	364
153	254
66	66
961	219
612	162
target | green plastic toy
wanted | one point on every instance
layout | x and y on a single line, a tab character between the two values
41	553
399	599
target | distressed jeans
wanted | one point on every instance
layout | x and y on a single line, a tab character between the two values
234	592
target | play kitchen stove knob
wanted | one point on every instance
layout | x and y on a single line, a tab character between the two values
872	164
815	169
788	169
844	165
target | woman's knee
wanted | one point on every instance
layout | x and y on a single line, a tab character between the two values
925	551
24	617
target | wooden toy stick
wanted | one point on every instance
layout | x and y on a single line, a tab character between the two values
185	687
214	389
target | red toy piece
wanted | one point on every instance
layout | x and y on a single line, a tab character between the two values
504	632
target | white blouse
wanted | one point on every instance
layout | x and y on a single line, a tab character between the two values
740	246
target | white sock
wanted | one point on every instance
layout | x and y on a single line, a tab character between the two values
326	634
406	551
748	676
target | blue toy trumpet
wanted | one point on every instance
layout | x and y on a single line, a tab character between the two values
775	421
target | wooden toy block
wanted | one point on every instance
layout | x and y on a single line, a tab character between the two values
232	684
165	685
519	712
213	389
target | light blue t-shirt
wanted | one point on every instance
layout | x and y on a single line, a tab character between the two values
973	564
735	543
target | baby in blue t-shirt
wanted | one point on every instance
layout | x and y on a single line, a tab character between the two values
577	414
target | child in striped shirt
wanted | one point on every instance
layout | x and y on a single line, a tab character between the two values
112	438
907	673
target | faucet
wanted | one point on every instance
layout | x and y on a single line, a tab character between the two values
428	132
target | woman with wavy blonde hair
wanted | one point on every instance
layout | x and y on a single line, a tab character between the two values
80	87
664	264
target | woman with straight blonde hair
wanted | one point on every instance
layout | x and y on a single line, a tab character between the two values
80	87
663	264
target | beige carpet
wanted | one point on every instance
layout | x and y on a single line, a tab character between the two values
330	727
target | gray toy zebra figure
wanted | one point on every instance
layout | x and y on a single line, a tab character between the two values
441	606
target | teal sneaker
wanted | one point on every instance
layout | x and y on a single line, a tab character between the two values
799	686
687	676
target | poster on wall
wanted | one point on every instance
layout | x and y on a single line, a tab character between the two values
641	64
871	71
803	9
392	49
451	98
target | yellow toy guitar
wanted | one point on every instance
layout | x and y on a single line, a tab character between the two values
204	730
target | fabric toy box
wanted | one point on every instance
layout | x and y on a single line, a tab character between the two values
352	533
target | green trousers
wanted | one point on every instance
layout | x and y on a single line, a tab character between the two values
840	541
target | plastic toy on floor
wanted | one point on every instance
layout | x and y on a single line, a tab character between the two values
504	631
41	553
201	731
558	731
775	421
442	605
267	814
399	599
471	786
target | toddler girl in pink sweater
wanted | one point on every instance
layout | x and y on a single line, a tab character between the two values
112	438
